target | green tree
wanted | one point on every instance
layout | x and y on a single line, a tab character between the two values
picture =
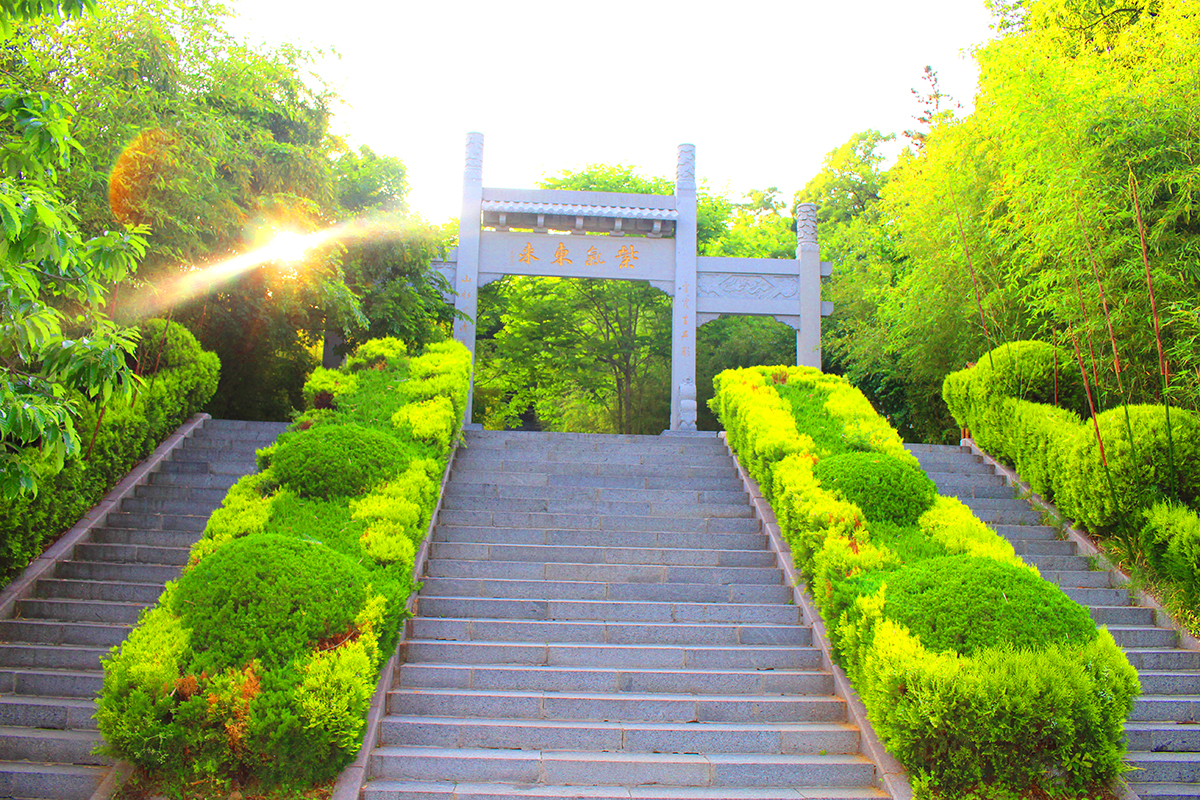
58	348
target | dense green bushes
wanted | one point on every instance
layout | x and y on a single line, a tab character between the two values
261	661
179	378
884	487
973	670
1126	474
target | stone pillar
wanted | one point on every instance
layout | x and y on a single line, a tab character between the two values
466	282
808	254
683	320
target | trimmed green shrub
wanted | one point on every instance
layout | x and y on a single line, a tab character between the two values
1171	536
966	603
377	354
1141	470
884	487
114	440
266	598
337	460
953	526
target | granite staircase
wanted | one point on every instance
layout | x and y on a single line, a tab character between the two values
601	618
1162	731
50	651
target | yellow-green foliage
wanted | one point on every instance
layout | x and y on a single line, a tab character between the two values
443	370
398	513
244	511
335	691
377	354
1039	440
433	420
328	381
1050	716
953	525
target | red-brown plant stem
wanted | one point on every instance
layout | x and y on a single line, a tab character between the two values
1096	423
1162	359
95	431
1091	345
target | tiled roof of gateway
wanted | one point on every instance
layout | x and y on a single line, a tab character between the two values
519	207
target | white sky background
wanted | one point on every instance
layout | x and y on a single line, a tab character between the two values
764	89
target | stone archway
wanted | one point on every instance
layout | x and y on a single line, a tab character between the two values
575	234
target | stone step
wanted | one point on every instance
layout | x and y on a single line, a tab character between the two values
629	737
1163	791
1156	737
557	554
606	610
192	480
71	610
145	538
1058	564
613	633
958	463
53	682
1122	615
132	553
142	593
213	496
58	713
1151	659
1089	579
1020	533
656	481
1013	515
540	441
579	461
232	468
499	490
214	441
50	746
161	506
117	571
570	768
605	522
156	522
1141	636
604	573
1165	767
1168	682
430	790
623	656
590	507
214	427
627	706
552	469
918	448
69	657
23	779
963	486
593	590
1158	708
593	538
1043	547
57	632
504	677
1086	596
239	452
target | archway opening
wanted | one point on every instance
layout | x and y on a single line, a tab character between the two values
737	340
573	354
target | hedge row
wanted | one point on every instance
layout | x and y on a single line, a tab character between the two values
1145	481
260	661
972	668
179	379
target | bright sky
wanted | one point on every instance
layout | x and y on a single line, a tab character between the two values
763	88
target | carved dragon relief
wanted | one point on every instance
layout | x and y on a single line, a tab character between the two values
752	287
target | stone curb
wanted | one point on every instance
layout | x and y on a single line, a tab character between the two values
1085	545
23	585
891	776
350	782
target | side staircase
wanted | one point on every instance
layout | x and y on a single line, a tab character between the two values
601	619
1163	731
50	651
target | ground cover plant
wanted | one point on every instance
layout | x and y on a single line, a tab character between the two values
979	676
1130	475
178	379
259	663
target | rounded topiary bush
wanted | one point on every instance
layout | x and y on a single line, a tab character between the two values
267	597
1142	471
967	603
337	460
884	487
